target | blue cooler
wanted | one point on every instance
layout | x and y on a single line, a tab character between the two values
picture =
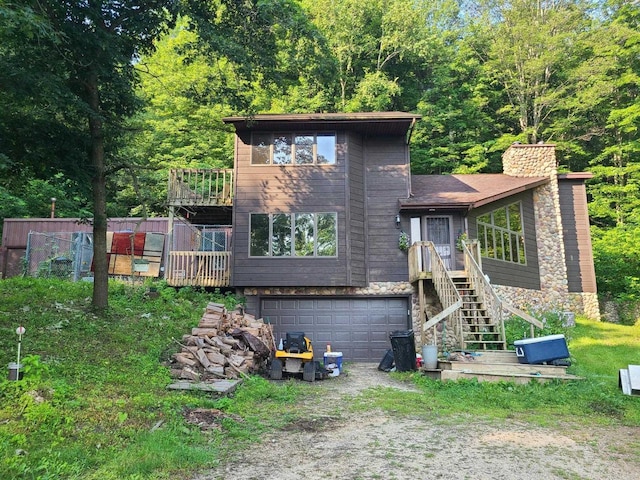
541	349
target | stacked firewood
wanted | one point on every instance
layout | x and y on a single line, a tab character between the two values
224	345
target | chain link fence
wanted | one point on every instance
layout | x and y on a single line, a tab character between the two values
65	255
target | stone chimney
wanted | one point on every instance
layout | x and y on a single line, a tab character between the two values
530	160
540	161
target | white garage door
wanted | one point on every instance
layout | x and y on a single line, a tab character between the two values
359	327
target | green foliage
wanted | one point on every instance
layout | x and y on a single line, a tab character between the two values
553	321
374	93
617	262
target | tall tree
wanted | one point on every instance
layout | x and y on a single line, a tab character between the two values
602	116
91	49
384	49
533	44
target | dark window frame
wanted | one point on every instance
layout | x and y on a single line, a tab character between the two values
283	144
274	241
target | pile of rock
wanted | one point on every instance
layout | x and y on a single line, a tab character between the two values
224	345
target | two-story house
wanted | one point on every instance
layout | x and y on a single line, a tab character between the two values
308	228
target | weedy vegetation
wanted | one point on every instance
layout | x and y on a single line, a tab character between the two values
93	402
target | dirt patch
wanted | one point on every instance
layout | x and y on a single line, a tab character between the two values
207	418
333	443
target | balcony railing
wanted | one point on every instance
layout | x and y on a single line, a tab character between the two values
199	269
200	187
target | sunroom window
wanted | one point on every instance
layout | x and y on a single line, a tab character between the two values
293	148
501	234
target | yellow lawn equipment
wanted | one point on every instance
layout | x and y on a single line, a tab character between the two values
295	357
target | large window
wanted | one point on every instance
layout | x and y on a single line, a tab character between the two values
293	149
293	235
501	234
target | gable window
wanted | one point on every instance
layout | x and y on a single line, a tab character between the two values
293	235
501	234
293	148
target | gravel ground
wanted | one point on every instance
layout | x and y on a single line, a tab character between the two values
333	443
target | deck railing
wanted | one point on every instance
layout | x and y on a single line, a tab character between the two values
200	186
198	269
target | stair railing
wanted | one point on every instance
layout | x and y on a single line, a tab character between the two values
444	286
486	294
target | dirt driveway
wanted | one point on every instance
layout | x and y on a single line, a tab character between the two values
379	445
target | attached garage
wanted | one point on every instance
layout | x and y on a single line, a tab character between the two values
359	327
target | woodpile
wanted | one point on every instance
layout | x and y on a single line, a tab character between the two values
224	345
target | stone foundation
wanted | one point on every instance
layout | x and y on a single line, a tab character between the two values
550	300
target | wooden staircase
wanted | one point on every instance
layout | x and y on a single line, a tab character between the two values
469	303
479	330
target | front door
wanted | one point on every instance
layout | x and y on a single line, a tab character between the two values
438	231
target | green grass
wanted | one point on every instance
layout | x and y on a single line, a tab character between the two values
598	351
94	386
93	402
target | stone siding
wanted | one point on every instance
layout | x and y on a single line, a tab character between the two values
549	300
535	161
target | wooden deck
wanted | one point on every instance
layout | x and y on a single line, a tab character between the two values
498	366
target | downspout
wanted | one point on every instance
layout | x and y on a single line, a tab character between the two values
410	131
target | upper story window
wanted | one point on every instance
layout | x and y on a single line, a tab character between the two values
501	234
293	148
293	235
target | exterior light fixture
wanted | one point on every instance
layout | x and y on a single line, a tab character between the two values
398	221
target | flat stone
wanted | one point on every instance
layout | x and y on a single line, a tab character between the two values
218	386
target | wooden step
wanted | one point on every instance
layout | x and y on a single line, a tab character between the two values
518	378
496	356
504	368
498	365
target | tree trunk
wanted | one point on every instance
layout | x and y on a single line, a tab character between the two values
99	183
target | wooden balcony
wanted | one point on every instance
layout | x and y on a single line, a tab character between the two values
200	187
199	269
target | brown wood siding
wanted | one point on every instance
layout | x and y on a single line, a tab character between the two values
508	273
288	189
577	238
387	180
356	212
11	261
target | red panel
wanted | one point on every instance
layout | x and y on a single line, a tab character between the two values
138	243
122	243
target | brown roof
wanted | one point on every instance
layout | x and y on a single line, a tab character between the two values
465	191
370	123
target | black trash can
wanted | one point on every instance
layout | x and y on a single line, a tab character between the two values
404	350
